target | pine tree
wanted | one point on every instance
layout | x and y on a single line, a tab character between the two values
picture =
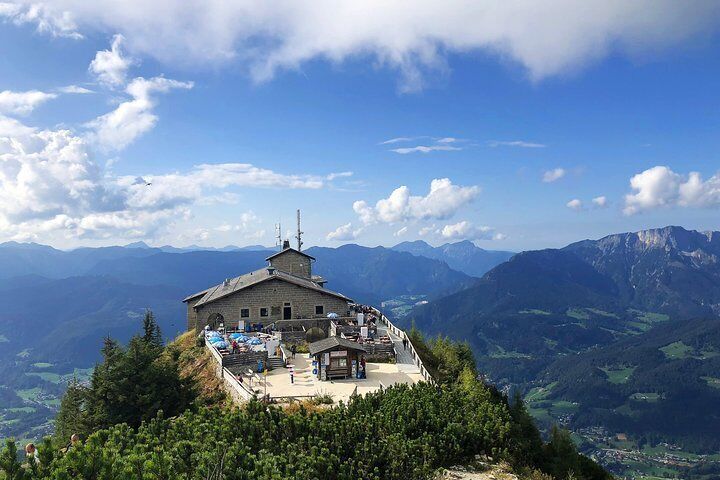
71	417
151	330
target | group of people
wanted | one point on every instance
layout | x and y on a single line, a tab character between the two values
32	455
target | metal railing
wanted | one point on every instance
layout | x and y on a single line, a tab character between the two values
401	333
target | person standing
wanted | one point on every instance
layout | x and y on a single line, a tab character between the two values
293	349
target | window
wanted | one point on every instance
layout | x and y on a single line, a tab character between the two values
319	309
263	311
244	313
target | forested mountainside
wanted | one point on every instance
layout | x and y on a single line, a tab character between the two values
541	304
462	256
617	334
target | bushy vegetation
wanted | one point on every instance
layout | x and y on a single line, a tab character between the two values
404	432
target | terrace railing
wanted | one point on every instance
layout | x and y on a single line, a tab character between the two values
401	333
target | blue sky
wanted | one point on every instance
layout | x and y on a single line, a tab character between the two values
527	147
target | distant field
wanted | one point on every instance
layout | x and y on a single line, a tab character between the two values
618	374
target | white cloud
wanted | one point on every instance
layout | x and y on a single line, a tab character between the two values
337	175
344	233
575	204
399	140
546	38
425	149
659	187
515	143
400	232
424	231
58	23
22	103
76	89
443	200
465	230
600	202
111	66
50	185
553	175
247	227
117	129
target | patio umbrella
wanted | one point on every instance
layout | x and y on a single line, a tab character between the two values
255	341
220	344
332	315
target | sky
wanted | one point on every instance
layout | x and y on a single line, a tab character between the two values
515	125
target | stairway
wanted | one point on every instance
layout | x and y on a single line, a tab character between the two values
275	362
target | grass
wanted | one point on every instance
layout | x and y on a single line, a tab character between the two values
602	313
677	350
577	313
712	381
42	365
47	376
502	353
21	409
618	375
28	394
539	393
534	311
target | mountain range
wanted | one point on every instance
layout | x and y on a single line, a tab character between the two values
462	256
613	332
614	338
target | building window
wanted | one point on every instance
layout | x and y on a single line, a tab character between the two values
319	309
244	313
263	311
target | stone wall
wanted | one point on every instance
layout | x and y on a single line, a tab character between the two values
273	295
293	262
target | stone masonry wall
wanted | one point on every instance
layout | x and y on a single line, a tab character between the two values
292	262
272	294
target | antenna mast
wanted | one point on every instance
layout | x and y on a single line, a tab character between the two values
278	235
299	232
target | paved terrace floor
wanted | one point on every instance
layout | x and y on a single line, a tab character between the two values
307	384
405	361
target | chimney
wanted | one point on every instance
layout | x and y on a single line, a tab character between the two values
286	244
271	270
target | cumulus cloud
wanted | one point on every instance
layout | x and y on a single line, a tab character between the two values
515	143
659	187
465	230
600	202
111	66
546	38
575	204
117	129
443	200
247	227
344	233
22	103
50	184
552	175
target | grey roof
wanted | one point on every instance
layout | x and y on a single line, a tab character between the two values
289	250
331	342
253	278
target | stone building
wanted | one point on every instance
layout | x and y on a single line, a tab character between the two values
284	290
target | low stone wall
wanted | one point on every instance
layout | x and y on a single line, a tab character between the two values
236	362
237	391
